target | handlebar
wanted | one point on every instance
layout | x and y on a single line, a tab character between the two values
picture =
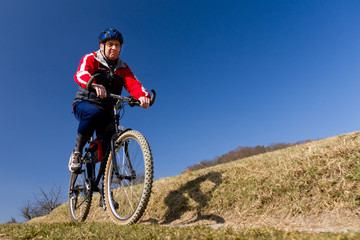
91	80
131	100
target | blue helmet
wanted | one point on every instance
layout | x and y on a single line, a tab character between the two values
110	33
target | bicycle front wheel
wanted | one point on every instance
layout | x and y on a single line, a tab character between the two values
80	195
128	187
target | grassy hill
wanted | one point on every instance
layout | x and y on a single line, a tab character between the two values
314	185
310	186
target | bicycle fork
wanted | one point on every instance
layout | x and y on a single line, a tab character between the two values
127	159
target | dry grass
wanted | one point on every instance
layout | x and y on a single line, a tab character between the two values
91	230
314	185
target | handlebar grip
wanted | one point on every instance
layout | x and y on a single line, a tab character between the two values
153	96
91	80
135	102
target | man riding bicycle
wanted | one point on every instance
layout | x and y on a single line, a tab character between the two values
92	108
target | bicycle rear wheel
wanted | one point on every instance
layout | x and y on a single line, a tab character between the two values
80	195
127	194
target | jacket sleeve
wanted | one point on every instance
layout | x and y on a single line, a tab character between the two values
85	70
132	85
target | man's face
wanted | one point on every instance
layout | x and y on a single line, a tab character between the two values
111	49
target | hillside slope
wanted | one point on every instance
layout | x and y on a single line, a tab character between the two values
314	185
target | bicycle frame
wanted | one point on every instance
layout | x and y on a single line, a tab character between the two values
116	108
96	145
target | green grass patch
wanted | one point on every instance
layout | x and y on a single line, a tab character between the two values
111	231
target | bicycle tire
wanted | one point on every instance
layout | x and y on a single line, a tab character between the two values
126	197
80	196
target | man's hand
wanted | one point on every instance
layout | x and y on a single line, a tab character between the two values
144	102
100	90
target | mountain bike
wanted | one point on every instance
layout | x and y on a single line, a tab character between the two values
122	174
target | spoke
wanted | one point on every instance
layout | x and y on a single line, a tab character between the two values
135	157
127	196
78	206
137	164
135	194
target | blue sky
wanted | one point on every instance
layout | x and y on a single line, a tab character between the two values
227	73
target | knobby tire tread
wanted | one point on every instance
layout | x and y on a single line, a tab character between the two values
86	209
149	171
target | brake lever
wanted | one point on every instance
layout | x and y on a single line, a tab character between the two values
133	102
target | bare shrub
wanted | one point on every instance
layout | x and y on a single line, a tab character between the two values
12	220
44	203
28	211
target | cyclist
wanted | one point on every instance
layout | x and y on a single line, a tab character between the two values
91	108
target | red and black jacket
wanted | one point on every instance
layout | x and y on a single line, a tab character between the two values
113	80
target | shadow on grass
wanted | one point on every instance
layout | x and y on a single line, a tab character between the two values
178	203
